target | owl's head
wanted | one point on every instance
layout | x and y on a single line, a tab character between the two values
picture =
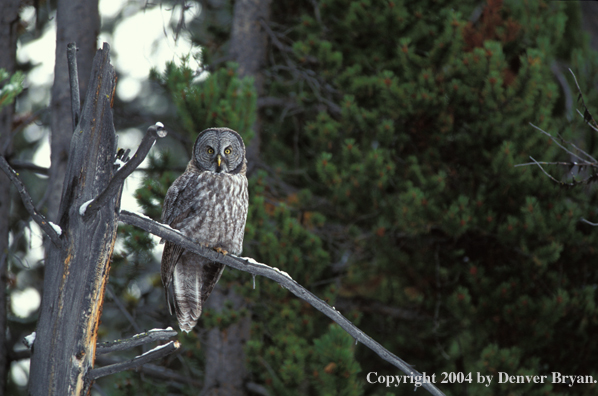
219	150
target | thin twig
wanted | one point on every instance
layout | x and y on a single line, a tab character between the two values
153	132
155	371
28	202
582	100
156	353
122	308
552	178
564	163
275	41
580	150
591	126
30	166
253	267
136	340
587	180
554	140
71	53
23	122
546	173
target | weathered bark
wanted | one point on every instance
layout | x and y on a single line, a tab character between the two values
9	18
248	47
225	372
76	275
76	21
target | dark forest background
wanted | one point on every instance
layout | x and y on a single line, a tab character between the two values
383	139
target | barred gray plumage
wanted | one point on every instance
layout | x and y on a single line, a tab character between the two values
208	204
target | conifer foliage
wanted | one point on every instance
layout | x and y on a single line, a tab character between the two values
416	163
387	185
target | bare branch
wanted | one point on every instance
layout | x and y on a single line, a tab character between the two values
546	173
274	38
136	340
588	222
591	126
554	140
153	132
586	112
71	54
41	170
587	180
563	184
580	150
28	202
155	372
30	166
255	268
122	309
121	345
564	163
156	353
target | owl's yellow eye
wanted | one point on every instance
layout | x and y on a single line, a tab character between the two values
227	151
210	150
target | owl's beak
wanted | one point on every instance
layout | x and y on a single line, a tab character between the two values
219	159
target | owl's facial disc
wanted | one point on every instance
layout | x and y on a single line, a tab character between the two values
219	151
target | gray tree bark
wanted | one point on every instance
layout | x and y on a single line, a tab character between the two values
76	21
225	372
76	274
9	19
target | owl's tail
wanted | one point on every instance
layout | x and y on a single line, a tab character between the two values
193	281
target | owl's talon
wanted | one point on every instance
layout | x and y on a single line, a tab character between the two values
220	250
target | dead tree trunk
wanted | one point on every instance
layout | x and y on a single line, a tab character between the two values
8	48
77	21
77	272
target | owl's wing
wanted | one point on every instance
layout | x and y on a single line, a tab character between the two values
172	253
178	201
177	206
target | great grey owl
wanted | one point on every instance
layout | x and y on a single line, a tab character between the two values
208	204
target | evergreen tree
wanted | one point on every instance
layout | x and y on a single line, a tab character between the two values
395	159
416	166
387	185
